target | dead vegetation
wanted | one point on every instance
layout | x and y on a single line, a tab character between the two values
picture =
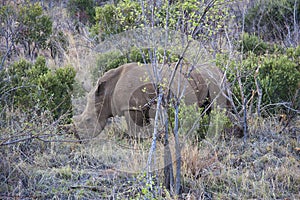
48	163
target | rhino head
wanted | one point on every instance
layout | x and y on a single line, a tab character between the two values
91	122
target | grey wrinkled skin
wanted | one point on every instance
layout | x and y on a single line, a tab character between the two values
87	124
129	91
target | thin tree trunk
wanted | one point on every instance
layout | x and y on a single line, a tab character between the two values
151	156
177	152
259	92
168	167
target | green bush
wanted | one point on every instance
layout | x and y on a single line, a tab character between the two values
34	28
194	18
254	44
193	123
196	125
27	29
112	19
107	61
30	86
147	55
277	75
106	23
185	16
272	19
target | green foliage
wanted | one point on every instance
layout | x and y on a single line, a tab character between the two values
218	121
26	30
254	44
147	55
193	123
197	125
82	10
25	27
112	19
129	14
199	19
185	16
272	19
148	189
106	62
57	89
105	18
34	27
34	85
277	75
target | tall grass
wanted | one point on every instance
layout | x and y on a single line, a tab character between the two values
111	165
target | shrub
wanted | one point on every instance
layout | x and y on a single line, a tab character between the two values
57	89
106	22
272	19
33	85
198	19
254	44
27	29
192	121
34	28
277	75
190	17
112	19
147	55
195	125
106	62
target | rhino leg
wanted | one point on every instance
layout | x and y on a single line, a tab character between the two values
139	124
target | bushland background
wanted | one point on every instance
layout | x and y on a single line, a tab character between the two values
53	51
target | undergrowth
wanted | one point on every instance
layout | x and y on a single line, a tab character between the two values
39	160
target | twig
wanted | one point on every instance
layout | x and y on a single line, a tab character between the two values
93	188
284	104
259	91
176	68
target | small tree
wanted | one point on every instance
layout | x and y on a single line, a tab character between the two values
8	32
269	75
274	20
82	11
35	29
112	19
26	30
30	86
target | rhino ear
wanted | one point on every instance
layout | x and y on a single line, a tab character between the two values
108	81
101	89
99	96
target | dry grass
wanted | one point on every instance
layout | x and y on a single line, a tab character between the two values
266	167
